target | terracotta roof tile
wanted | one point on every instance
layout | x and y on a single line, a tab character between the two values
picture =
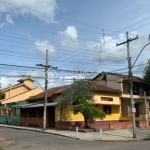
50	92
102	88
96	87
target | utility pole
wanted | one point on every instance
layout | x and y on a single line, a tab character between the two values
130	80
146	109
47	67
45	91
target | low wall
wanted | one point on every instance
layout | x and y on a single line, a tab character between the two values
68	124
104	124
63	125
3	119
73	124
143	124
120	125
31	121
14	120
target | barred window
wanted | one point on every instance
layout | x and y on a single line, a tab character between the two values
106	99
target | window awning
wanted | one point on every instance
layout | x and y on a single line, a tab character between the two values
37	105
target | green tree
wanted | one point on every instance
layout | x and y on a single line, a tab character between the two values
146	76
79	95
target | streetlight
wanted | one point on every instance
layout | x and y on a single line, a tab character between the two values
141	52
131	79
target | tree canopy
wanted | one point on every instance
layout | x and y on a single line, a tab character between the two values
79	95
146	76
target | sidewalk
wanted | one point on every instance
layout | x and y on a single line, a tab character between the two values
110	135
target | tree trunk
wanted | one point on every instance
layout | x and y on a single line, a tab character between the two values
86	122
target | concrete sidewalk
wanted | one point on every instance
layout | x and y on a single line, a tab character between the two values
110	135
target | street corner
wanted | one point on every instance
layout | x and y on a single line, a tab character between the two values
4	142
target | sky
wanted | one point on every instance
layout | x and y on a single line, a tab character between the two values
80	35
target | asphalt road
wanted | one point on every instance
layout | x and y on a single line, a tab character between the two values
28	140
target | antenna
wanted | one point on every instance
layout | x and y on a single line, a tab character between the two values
103	35
100	51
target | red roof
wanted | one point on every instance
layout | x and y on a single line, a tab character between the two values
50	93
96	87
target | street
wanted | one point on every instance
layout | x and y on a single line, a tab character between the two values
28	140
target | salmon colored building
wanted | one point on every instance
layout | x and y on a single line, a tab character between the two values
16	95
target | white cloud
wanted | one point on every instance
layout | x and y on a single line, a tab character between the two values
70	31
8	20
111	53
108	52
43	45
69	37
5	81
48	8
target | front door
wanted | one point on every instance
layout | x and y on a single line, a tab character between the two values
51	117
137	110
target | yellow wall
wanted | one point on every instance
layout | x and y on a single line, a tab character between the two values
115	112
67	115
23	96
15	91
97	98
116	109
29	83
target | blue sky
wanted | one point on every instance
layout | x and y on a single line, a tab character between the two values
72	31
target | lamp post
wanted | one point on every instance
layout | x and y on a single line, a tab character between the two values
145	101
141	52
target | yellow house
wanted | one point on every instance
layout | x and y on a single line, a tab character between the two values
141	100
105	99
15	95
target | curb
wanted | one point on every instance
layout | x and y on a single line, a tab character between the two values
130	140
29	129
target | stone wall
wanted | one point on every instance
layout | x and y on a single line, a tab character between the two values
101	124
73	124
143	124
120	125
68	124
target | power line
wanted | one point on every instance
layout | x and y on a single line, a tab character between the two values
52	15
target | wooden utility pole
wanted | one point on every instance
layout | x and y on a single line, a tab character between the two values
130	80
45	90
47	67
146	109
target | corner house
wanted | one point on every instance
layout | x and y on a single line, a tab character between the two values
105	99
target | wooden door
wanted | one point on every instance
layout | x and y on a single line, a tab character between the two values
51	117
137	110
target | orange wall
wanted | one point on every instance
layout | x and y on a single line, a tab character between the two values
15	91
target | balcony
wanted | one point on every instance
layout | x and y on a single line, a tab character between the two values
136	94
